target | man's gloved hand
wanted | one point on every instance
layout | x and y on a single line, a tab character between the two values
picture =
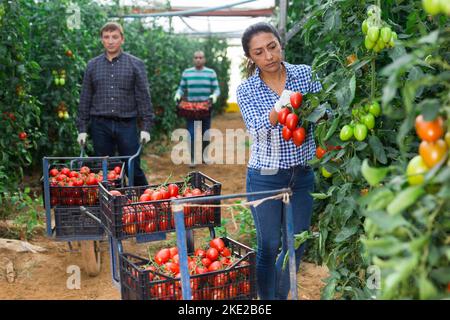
145	137
82	137
177	97
285	99
213	97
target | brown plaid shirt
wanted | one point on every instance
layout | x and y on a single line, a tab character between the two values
116	89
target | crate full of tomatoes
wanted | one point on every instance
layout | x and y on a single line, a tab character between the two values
194	110
75	184
223	271
139	211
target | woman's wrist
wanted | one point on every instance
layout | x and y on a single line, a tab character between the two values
273	117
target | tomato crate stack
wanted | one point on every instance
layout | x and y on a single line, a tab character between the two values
142	279
126	214
74	183
194	110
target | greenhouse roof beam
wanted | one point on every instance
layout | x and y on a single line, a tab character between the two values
202	11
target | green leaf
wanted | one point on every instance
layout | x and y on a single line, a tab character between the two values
373	175
346	233
378	149
386	222
354	166
316	114
430	108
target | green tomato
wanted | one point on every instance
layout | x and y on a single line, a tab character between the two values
369	44
360	132
386	34
346	133
62	81
432	7
415	170
380	43
57	81
373	33
326	173
369	121
375	108
365	26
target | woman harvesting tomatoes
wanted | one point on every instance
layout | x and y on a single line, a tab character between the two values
275	163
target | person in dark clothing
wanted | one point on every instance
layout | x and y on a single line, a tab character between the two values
115	93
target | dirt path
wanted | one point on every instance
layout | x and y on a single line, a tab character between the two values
44	275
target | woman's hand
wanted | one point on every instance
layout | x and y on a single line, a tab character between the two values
273	117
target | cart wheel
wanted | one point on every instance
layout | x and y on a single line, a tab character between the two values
91	256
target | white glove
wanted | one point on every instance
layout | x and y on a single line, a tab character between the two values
177	97
145	137
214	98
285	99
82	137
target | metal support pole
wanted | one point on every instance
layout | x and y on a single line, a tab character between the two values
47	204
289	224
182	252
114	250
282	25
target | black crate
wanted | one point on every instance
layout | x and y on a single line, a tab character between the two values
195	113
86	195
238	282
70	222
125	217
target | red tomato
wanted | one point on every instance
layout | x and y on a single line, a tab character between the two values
156	196
429	131
162	256
172	267
320	152
212	254
22	135
111	176
217	243
214	266
128	220
286	133
225	252
291	121
244	287
149	191
282	115
65	171
164	223
54	172
117	170
298	136
173	251
145	197
173	190
197	192
85	170
206	262
296	99
200	253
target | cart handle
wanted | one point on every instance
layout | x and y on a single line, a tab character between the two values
131	165
85	211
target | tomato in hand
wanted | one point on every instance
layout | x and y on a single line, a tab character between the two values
296	99
298	136
291	121
286	133
282	115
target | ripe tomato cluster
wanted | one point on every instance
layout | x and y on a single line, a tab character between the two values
213	270
201	105
379	34
75	188
152	212
289	118
432	150
363	120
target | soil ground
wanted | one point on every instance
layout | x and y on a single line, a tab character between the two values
44	275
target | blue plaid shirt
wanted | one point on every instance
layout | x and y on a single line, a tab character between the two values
269	150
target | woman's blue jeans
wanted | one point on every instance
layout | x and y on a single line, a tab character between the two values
109	134
272	281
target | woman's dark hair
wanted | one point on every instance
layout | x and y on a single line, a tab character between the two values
247	36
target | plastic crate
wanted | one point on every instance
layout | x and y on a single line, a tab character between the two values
70	222
194	110
82	195
125	217
238	282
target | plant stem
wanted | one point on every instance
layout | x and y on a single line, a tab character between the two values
373	82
